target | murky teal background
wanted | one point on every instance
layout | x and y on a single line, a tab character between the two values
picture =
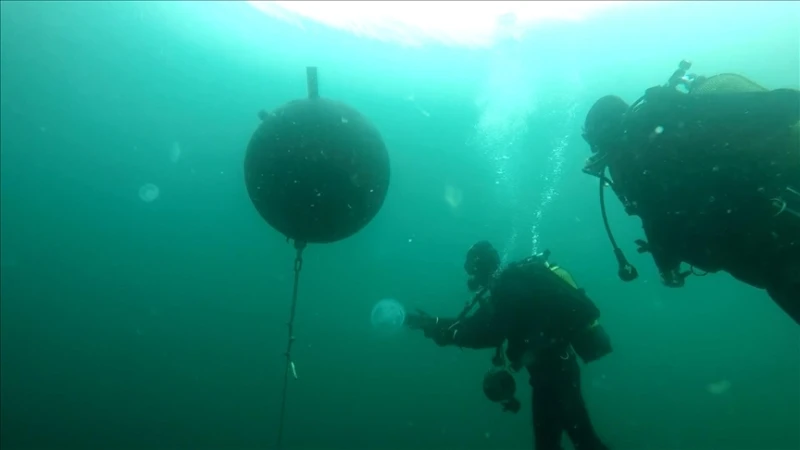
130	325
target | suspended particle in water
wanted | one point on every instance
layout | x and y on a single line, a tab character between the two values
388	316
7	260
453	196
175	152
719	387
149	192
413	101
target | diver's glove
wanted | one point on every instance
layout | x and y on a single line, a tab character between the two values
673	278
439	330
420	320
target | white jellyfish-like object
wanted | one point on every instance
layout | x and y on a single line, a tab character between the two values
149	192
388	316
720	387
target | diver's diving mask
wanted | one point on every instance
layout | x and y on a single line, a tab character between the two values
481	263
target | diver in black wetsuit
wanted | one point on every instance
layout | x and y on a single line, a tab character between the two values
714	175
545	320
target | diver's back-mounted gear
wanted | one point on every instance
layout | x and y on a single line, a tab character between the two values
680	78
592	344
589	339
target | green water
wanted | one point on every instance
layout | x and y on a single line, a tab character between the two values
161	325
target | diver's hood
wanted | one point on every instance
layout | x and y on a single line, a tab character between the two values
603	123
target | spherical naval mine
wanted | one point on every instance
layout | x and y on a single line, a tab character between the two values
316	170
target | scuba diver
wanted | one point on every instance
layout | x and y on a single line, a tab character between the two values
712	168
544	320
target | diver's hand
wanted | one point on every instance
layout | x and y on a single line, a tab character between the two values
673	278
420	320
441	334
438	330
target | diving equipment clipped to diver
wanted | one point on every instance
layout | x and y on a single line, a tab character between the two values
317	171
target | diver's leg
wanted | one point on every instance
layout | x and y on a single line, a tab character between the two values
575	416
546	410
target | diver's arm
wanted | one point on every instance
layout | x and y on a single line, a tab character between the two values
480	330
658	245
620	183
477	331
667	261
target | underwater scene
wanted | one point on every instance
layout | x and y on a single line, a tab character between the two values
313	225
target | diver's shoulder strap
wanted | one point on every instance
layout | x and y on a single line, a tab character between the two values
565	276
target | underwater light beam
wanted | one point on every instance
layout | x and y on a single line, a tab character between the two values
412	23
